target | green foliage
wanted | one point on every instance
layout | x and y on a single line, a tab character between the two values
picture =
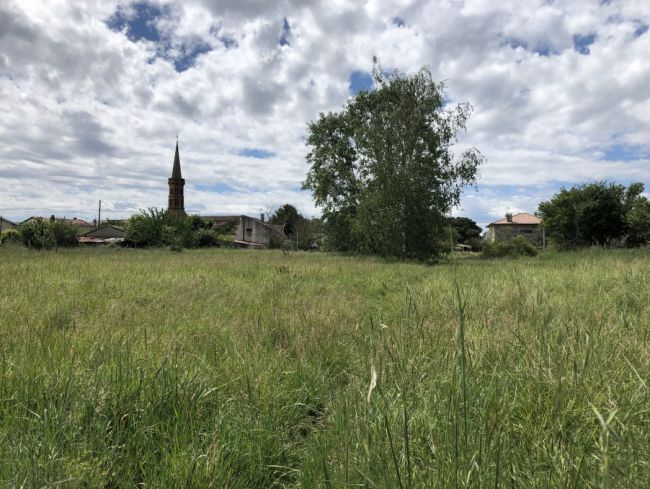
518	246
383	171
204	238
299	232
476	244
11	236
466	230
65	235
288	217
637	216
155	228
146	228
219	368
596	214
38	234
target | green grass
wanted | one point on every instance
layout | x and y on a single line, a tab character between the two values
241	369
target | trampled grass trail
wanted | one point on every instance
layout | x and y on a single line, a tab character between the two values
225	368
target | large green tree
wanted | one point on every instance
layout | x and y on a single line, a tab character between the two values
288	217
466	229
637	215
596	214
382	169
302	232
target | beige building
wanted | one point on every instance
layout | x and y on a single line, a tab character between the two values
522	224
248	232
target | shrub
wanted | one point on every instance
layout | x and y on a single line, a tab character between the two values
515	247
11	236
155	227
146	228
65	235
38	235
204	238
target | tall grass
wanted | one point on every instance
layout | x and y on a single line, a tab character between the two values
240	369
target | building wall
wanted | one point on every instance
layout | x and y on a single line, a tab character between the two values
252	230
5	225
504	232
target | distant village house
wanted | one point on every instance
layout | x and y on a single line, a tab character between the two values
523	224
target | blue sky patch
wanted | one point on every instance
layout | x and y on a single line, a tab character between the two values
227	41
515	42
581	42
256	153
544	50
640	30
190	53
139	19
623	152
360	80
286	31
399	22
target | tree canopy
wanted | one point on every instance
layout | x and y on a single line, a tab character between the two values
303	232
466	229
288	217
382	169
597	214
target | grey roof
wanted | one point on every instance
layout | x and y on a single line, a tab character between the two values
4	219
105	232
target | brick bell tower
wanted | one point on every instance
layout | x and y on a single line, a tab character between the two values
176	200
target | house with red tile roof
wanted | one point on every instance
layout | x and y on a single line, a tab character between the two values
523	224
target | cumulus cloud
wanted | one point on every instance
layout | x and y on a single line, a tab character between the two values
94	93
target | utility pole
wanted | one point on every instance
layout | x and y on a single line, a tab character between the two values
99	215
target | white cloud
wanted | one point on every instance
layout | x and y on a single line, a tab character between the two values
89	114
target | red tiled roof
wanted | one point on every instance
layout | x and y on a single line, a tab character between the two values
521	218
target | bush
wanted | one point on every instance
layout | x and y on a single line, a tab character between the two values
41	234
38	235
65	235
204	238
515	247
10	236
155	227
146	228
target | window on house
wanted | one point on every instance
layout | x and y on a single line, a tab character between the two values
249	232
526	231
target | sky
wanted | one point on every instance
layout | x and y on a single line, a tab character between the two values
94	93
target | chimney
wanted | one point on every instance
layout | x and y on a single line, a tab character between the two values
262	217
509	217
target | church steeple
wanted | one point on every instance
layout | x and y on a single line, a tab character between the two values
176	199
176	171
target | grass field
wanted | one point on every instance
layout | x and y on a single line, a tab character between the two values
238	369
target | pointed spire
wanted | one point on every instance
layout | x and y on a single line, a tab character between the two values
176	172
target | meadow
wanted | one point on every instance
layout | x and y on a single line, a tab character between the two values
239	369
